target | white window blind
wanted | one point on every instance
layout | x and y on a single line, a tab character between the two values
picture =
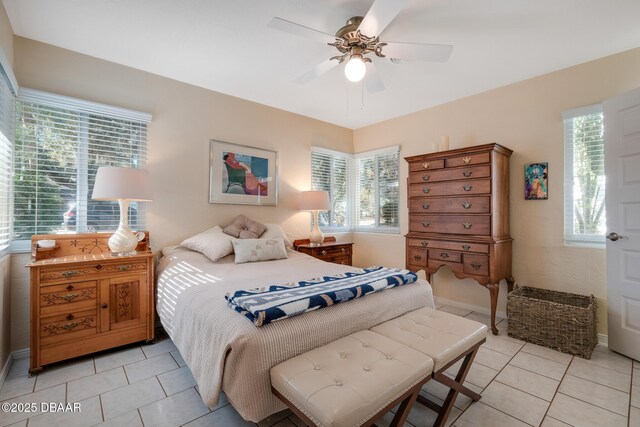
60	143
6	158
585	216
330	171
364	188
377	190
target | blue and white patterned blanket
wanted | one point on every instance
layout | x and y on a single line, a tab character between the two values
268	304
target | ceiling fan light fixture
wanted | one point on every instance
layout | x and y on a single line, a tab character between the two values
355	68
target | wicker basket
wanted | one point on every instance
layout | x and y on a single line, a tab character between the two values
558	320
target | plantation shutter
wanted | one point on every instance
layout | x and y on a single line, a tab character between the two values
330	172
60	143
585	216
6	158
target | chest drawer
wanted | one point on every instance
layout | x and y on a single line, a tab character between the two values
442	255
476	264
478	204
479	186
453	246
427	165
451	224
467	160
64	274
450	174
418	257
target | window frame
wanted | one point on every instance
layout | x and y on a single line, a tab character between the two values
571	238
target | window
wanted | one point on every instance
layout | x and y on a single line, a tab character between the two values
363	188
585	220
6	152
60	143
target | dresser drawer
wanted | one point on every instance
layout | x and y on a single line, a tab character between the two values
476	264
427	165
442	255
467	160
64	274
479	186
417	257
450	174
451	224
453	246
73	296
68	324
478	204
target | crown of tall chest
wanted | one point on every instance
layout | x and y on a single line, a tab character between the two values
459	212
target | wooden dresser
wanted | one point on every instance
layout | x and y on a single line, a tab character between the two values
84	300
459	215
330	250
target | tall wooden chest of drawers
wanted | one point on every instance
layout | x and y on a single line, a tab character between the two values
459	215
84	300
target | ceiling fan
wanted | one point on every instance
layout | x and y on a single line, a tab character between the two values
359	39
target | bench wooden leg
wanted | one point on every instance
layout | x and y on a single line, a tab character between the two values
405	407
455	386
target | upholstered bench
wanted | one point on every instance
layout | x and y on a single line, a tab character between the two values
445	338
352	381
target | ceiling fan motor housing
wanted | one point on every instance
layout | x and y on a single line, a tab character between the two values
349	41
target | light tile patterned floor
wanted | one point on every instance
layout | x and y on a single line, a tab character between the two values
521	385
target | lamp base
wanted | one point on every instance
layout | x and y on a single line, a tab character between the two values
124	241
316	237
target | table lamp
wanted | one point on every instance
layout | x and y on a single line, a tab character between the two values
315	201
124	185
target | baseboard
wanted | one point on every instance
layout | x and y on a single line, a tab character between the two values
25	353
479	309
13	356
603	339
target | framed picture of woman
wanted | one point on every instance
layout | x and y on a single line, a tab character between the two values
239	174
536	185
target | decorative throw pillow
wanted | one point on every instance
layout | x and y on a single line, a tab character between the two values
274	231
252	250
245	228
213	243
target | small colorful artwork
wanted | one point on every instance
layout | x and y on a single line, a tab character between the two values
536	181
245	174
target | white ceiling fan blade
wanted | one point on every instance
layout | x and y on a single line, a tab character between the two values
372	80
418	51
317	71
300	30
380	15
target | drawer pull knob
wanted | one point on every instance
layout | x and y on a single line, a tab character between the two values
69	274
426	177
466	205
476	265
466	160
104	306
417	257
343	249
467	173
467	225
70	287
324	252
425	206
467	187
424	243
444	255
69	326
425	165
69	316
69	297
466	247
426	223
425	189
125	267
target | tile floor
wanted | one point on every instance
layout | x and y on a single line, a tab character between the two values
521	385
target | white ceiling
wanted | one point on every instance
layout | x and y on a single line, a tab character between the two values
226	46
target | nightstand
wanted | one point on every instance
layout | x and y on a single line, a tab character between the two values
330	250
83	299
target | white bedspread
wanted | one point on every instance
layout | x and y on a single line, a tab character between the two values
226	351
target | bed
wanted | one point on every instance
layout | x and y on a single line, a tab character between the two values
226	352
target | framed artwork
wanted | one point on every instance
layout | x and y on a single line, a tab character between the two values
242	175
536	181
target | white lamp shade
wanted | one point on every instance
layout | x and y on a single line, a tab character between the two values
115	183
315	201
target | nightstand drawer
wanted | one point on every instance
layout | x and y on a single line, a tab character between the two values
331	251
67	324
53	275
77	296
344	260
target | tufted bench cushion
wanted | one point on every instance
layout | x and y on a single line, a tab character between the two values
350	380
440	335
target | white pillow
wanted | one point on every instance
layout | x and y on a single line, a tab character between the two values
274	231
252	250
213	243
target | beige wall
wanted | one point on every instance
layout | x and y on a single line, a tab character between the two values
6	44
525	117
185	118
